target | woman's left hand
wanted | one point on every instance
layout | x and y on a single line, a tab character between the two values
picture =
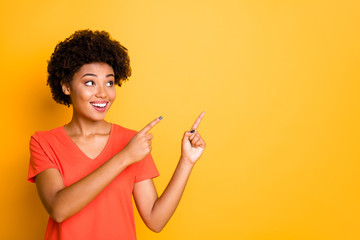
192	143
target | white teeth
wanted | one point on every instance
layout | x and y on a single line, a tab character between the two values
101	105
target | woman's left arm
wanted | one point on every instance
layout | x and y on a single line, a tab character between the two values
157	211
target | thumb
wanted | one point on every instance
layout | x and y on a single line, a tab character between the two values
187	135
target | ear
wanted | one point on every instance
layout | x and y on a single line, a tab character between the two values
65	88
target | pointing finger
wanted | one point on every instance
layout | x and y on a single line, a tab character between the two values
148	127
197	121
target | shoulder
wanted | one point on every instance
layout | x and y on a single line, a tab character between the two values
123	130
121	135
55	134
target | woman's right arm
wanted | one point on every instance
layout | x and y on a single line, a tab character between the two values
63	202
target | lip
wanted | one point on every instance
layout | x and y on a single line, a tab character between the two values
100	109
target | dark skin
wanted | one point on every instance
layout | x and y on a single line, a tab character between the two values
92	144
93	85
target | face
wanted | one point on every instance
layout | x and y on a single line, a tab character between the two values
92	91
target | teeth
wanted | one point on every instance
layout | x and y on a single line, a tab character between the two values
101	105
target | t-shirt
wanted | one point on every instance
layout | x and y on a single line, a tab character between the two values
110	215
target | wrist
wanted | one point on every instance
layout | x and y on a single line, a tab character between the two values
124	158
186	162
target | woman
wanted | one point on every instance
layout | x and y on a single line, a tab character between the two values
87	171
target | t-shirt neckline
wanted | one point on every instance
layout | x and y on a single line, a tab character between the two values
76	147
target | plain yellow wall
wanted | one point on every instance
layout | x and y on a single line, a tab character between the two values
279	81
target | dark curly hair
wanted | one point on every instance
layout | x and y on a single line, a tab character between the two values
83	47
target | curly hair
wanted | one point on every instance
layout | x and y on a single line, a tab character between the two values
83	47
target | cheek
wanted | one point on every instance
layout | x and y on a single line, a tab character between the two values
80	95
85	94
112	94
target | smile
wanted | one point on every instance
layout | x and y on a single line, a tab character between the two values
99	106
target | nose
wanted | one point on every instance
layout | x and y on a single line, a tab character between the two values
100	92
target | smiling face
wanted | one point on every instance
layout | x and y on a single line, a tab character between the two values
92	91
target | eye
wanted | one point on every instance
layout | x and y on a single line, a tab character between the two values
89	83
110	83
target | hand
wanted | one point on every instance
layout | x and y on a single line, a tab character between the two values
193	145
140	145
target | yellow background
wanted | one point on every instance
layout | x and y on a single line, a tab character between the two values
279	81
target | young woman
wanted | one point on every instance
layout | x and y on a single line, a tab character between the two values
87	171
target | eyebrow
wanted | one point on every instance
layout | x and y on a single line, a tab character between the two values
94	75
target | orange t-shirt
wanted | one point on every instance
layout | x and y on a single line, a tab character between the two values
110	215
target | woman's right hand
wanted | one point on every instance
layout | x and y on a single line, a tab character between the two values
140	145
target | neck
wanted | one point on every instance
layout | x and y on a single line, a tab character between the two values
82	126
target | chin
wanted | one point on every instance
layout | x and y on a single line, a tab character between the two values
95	117
99	117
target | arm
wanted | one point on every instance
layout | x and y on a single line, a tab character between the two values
157	211
62	202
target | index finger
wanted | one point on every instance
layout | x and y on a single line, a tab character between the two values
197	121
148	127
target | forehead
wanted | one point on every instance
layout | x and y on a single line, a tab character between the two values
97	68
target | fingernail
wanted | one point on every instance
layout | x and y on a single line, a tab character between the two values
160	117
192	131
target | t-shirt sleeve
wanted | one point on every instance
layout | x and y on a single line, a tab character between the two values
39	160
146	169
